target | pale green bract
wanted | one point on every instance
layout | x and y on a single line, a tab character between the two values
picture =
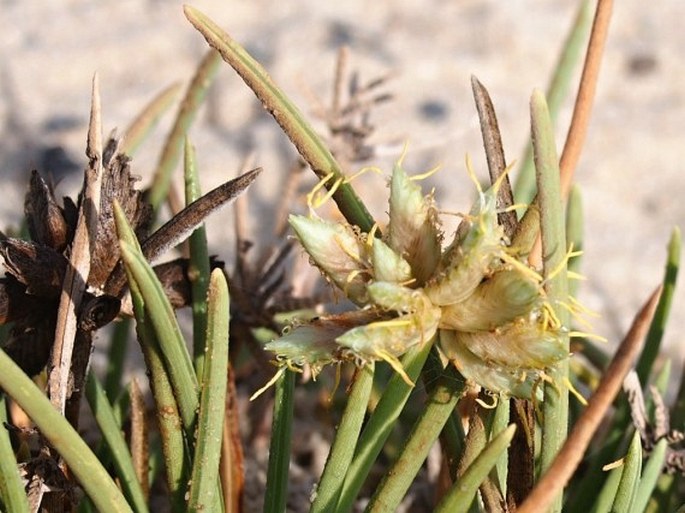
482	299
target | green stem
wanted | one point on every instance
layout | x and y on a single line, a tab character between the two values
11	488
205	495
198	268
195	96
312	148
380	425
276	494
397	480
342	450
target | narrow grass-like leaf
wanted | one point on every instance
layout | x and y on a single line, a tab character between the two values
524	190
452	437
397	480
120	410
476	441
464	490
204	493
90	473
582	108
162	318
156	461
555	405
527	231
276	494
143	124
630	477
198	268
168	333
231	470
662	379
312	148
184	223
344	443
380	424
12	492
656	330
177	461
650	476
121	457
195	96
116	356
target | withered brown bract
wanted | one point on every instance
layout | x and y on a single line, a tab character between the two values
119	185
44	217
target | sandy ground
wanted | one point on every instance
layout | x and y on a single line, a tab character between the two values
630	173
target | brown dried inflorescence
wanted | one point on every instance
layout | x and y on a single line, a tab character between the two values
30	291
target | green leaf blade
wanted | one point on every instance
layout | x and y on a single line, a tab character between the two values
162	318
276	494
330	486
109	426
312	148
462	493
205	475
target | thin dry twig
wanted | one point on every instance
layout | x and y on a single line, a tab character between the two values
571	454
577	132
140	451
231	469
520	478
348	117
494	153
77	273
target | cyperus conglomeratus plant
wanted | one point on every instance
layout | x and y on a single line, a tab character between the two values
495	320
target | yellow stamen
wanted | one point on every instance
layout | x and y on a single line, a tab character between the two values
373	169
591	336
314	202
370	237
395	364
272	381
613	465
575	391
495	402
425	175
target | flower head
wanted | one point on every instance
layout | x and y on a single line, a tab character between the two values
488	306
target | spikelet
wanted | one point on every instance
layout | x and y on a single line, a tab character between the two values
338	251
313	344
500	379
496	324
522	344
505	296
388	265
475	253
413	230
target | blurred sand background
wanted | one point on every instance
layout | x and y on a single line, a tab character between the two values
630	172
